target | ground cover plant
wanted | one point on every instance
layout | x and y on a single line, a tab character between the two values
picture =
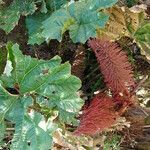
74	74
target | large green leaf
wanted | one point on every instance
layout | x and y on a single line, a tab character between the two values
81	18
29	134
41	85
9	16
142	37
86	26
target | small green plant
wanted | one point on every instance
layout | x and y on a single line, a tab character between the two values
112	143
32	95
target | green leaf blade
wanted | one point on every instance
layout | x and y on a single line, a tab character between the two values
142	37
53	26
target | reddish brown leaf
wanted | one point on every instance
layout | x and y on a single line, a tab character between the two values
114	65
99	116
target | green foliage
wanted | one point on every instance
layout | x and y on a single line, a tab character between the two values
112	143
53	18
2	133
36	92
80	18
54	24
53	5
9	16
34	22
142	37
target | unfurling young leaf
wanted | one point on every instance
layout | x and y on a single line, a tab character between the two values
98	116
114	65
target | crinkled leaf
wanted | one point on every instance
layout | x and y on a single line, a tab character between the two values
27	129
122	22
47	78
28	133
33	79
31	68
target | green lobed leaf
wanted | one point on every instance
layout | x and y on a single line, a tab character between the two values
142	37
89	22
34	22
29	134
40	84
81	18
